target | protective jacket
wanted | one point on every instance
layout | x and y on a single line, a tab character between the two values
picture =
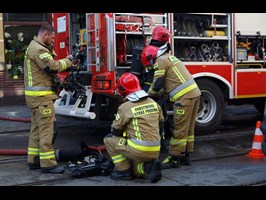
136	137
139	121
172	75
39	71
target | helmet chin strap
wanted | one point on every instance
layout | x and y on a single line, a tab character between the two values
135	96
162	50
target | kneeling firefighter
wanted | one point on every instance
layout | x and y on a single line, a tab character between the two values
134	141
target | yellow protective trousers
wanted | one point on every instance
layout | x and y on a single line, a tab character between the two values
126	157
42	135
183	125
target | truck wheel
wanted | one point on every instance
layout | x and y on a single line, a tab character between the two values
211	108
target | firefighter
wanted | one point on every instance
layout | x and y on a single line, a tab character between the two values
40	68
160	37
134	142
171	75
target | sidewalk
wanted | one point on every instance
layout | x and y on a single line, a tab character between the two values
237	171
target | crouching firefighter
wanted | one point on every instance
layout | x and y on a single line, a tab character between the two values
134	141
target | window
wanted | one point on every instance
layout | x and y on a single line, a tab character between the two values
19	29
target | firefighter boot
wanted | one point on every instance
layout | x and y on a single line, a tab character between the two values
54	170
122	175
185	160
35	164
153	168
171	162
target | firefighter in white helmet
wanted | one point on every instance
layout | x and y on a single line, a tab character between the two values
134	142
40	69
172	75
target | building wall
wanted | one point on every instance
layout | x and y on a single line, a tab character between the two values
2	63
11	91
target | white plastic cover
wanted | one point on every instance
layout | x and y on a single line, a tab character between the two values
250	23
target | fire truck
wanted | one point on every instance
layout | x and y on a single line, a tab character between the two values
223	51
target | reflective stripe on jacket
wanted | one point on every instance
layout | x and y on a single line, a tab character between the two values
39	57
140	120
178	82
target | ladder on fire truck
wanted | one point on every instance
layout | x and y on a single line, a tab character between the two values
93	43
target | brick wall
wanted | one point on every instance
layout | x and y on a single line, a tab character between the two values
11	91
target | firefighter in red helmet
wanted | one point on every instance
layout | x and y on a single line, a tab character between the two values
160	38
172	75
134	141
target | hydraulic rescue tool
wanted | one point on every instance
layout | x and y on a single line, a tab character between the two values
93	162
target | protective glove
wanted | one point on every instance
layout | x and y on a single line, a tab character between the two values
70	57
161	92
158	95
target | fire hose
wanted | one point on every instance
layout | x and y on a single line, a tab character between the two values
21	152
15	119
62	154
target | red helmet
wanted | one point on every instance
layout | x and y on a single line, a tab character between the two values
127	84
161	34
148	55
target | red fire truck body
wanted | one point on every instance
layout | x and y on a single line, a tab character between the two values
223	51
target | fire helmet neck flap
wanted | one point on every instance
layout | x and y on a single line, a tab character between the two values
162	50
